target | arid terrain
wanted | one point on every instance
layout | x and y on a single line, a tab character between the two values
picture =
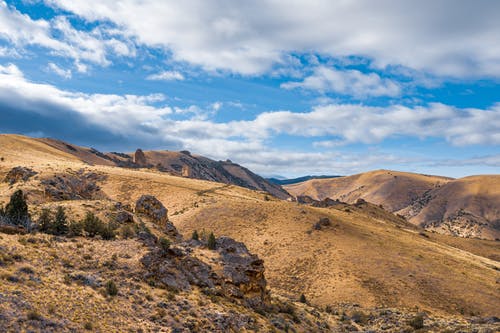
357	265
466	207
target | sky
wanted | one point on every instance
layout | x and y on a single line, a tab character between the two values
286	88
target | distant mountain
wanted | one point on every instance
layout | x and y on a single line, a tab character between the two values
284	181
183	163
467	207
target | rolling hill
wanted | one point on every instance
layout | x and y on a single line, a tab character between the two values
467	207
360	259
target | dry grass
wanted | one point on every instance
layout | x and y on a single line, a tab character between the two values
358	259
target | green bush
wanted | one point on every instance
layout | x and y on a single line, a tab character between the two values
60	226
195	235
111	288
75	228
45	221
164	244
92	225
302	299
211	243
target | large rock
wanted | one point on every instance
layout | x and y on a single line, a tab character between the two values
140	158
151	207
19	174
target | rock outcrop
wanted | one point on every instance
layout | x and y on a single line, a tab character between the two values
235	273
19	173
78	186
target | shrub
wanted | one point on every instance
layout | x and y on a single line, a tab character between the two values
164	244
127	232
302	299
45	220
75	228
33	315
107	232
60	226
111	288
211	243
92	225
417	322
195	235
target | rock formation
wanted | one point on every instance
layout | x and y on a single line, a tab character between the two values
140	158
241	277
79	186
19	174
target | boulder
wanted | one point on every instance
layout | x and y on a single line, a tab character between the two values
123	217
151	207
19	173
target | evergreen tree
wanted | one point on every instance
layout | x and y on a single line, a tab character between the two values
45	221
211	243
195	235
92	225
60	226
17	209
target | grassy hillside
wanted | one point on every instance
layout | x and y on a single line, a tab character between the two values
361	257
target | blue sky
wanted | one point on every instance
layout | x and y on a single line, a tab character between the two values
283	88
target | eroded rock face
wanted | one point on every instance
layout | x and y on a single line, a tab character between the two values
140	158
234	273
79	186
19	173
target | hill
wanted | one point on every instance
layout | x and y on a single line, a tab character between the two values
175	163
357	265
463	207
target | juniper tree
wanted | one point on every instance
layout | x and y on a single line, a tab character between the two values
16	210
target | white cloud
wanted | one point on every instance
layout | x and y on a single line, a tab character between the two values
140	117
440	37
347	82
166	76
64	73
61	38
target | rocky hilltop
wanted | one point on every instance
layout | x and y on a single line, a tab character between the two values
181	163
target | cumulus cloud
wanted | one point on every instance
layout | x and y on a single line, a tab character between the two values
166	76
439	37
347	82
148	120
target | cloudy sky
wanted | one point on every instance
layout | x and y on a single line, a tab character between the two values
282	87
